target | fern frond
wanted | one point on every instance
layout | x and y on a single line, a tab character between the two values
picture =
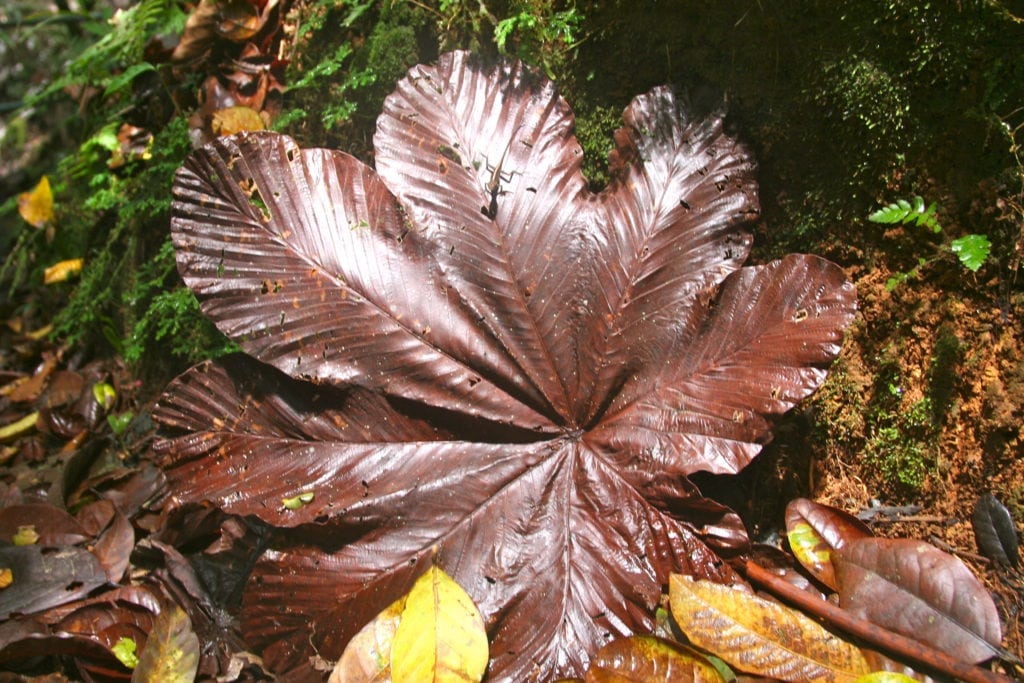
903	212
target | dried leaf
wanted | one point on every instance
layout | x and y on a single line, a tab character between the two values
235	119
995	532
367	657
171	654
759	636
19	427
885	677
440	636
915	589
62	271
646	659
36	206
814	531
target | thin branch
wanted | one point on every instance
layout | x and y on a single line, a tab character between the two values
899	645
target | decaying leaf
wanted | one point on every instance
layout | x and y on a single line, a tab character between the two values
915	589
440	636
471	360
44	578
171	654
814	531
646	659
760	636
367	657
36	206
235	119
995	532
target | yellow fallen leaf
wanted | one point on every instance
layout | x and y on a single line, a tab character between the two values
36	206
441	637
231	120
171	654
19	428
759	636
59	272
6	577
885	677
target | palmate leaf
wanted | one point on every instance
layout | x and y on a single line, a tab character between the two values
482	366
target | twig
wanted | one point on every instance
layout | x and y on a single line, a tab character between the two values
897	644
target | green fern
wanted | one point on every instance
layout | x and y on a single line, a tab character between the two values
971	250
903	212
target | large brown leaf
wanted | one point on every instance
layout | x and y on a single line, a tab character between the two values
915	589
483	366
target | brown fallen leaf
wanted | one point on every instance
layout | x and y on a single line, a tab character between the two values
913	588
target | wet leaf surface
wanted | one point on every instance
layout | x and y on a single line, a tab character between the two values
648	659
814	531
480	363
47	577
914	589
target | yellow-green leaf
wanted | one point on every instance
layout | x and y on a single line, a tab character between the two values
885	677
36	206
104	394
367	657
761	637
25	535
18	428
62	270
441	637
171	654
296	502
124	650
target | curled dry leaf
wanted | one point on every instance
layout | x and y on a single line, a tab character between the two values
477	362
915	589
759	636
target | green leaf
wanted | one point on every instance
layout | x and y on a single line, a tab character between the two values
972	250
297	502
903	212
124	650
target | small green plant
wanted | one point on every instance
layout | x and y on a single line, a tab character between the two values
538	34
971	250
899	445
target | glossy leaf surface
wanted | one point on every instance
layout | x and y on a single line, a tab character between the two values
479	361
646	659
814	531
761	636
915	589
441	636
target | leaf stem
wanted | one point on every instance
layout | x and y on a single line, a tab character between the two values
876	635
